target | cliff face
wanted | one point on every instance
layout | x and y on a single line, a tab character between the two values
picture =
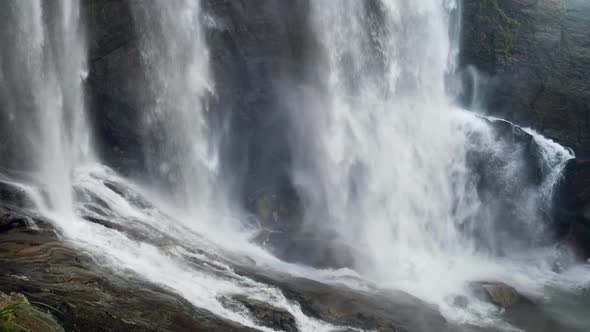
531	60
531	57
115	77
255	47
534	56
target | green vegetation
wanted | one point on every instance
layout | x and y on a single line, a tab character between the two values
17	314
508	20
507	25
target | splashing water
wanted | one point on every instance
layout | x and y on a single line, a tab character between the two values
384	159
387	163
77	194
182	151
42	76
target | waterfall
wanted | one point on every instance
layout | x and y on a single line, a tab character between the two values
41	88
42	74
390	165
181	149
388	149
427	195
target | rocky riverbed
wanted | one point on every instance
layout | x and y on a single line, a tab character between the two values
85	294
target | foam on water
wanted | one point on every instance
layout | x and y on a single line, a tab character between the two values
203	281
389	169
393	166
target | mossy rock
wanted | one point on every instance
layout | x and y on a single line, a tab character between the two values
18	314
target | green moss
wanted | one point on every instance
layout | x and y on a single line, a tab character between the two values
507	26
500	12
18	315
509	37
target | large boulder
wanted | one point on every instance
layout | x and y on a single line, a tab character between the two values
500	294
264	313
516	308
510	167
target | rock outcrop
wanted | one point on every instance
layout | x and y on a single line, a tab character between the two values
265	314
526	61
517	309
83	295
532	58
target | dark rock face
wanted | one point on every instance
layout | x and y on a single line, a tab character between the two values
114	83
530	50
12	194
512	172
531	59
256	49
307	248
534	56
573	207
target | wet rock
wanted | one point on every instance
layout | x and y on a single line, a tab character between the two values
88	296
115	83
460	301
517	309
507	131
253	46
508	168
309	249
275	210
8	299
268	315
12	194
85	294
574	208
500	294
347	308
581	227
16	312
516	139
531	56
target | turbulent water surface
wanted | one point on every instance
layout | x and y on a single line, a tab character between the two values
384	160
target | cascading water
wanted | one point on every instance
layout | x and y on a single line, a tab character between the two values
387	163
181	149
42	76
384	160
389	135
94	208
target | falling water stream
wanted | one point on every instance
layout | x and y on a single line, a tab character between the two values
392	159
383	157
